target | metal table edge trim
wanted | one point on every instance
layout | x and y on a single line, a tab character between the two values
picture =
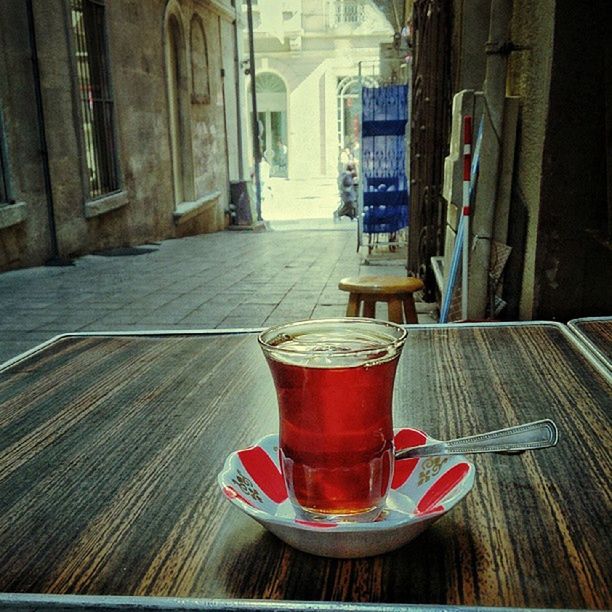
587	342
593	359
148	332
22	601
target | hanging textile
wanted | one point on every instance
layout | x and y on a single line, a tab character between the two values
383	175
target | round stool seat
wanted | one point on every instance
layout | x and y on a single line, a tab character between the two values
388	285
397	291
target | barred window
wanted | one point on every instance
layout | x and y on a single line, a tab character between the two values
350	12
96	100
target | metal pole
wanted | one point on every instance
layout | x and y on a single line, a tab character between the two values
256	150
55	258
237	83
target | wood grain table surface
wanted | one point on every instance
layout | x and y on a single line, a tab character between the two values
110	446
596	333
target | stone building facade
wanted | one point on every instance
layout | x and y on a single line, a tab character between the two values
309	58
119	123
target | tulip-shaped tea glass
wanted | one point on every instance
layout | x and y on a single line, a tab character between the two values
334	381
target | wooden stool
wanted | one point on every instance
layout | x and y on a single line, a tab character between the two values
395	290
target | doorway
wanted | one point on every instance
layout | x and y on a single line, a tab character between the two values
348	95
273	141
272	116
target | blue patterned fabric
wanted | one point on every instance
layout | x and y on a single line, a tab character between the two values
384	181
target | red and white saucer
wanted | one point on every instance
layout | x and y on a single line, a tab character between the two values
422	491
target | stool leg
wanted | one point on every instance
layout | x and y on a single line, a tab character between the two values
395	310
352	309
369	309
410	309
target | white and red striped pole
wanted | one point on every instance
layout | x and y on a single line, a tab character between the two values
466	211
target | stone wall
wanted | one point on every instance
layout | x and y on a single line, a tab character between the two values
558	223
558	227
144	208
529	78
574	255
28	240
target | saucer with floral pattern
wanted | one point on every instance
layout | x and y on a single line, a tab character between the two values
422	490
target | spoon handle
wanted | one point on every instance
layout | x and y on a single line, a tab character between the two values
529	436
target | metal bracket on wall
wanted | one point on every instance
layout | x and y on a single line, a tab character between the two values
478	237
503	48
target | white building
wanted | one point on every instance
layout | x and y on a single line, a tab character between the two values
308	57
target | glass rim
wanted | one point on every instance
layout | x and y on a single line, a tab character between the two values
276	329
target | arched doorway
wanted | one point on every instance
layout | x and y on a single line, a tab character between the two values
272	115
348	94
179	110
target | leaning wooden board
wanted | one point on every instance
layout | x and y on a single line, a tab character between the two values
110	448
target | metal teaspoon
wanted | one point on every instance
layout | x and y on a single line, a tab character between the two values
517	439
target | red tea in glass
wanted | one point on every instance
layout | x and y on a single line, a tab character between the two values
334	381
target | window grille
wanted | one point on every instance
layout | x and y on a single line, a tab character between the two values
96	101
5	189
351	12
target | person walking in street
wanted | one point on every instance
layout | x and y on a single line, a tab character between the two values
344	158
347	184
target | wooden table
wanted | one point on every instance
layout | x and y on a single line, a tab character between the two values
111	445
596	334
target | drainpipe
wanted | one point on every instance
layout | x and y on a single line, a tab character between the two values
55	258
237	87
256	151
490	158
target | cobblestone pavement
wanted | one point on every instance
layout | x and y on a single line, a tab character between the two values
231	279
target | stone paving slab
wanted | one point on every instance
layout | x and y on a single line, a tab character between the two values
223	280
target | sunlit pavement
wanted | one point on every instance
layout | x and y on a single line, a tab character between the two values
291	199
344	225
303	204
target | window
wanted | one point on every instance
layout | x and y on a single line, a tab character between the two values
350	12
5	189
348	90
96	101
